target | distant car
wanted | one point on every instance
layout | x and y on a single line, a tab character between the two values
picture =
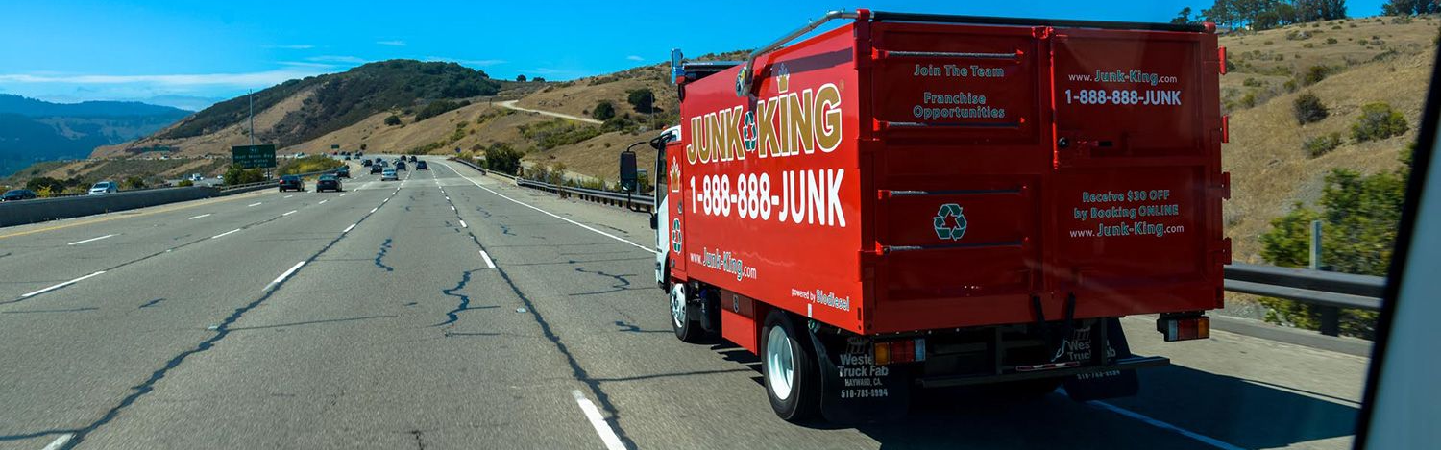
104	187
343	172
347	157
375	169
412	158
365	163
421	166
17	195
197	177
328	182
388	175
292	183
400	165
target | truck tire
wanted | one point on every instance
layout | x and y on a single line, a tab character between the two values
685	327
792	378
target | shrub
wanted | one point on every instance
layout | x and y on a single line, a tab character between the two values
1378	121
47	183
1331	41
1290	85
1308	108
1251	82
1321	145
185	183
520	78
439	107
503	158
393	120
1249	100
1314	74
557	132
603	110
236	175
642	99
313	163
133	182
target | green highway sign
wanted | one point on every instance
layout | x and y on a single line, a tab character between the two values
334	146
253	156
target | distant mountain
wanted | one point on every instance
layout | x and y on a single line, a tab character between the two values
29	107
35	130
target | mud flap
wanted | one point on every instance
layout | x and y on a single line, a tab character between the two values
1109	384
853	388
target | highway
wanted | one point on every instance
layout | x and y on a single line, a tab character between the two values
455	310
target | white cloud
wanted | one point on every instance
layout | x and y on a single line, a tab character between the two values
291	46
635	58
467	62
343	59
392	43
264	78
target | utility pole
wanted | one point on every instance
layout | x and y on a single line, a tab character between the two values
251	97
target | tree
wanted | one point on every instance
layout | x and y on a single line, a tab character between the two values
520	78
393	120
1359	216
1314	10
1378	121
1410	7
603	110
538	80
501	157
133	182
236	175
38	183
1184	16
642	99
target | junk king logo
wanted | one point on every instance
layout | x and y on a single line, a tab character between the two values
787	124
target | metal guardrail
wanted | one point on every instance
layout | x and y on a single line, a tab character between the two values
1331	291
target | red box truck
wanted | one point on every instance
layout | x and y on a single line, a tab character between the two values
911	201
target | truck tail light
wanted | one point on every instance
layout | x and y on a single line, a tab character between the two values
1226	129
900	352
1184	328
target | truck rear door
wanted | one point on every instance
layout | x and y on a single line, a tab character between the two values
1135	213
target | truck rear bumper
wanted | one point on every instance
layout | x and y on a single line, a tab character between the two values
1134	362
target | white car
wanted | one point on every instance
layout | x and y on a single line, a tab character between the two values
389	174
196	177
104	187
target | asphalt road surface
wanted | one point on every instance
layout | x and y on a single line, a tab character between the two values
453	310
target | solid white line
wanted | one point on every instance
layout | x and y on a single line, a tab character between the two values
463	225
607	435
87	241
59	442
288	196
542	211
227	233
322	202
61	285
283	276
289	213
1163	425
488	263
347	229
202	216
253	204
372	210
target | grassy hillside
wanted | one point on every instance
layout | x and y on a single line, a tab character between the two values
1364	61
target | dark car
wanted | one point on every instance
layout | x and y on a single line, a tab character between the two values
400	165
365	163
412	158
421	166
328	182
375	168
18	194
343	172
292	183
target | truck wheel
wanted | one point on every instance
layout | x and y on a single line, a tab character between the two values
686	329
789	364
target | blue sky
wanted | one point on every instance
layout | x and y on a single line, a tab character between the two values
190	53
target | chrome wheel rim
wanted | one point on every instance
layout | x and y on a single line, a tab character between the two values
677	305
780	363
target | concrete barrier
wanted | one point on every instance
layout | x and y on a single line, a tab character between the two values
42	209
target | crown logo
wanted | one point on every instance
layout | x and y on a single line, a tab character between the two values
783	79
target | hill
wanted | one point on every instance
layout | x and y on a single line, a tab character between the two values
34	130
298	111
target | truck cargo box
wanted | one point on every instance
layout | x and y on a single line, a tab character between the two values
894	176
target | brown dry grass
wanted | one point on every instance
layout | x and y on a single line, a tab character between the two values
1269	170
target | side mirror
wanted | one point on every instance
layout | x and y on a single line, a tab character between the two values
653	224
629	175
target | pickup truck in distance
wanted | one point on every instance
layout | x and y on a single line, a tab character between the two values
914	201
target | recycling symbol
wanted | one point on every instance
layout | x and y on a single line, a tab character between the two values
950	222
748	131
675	235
